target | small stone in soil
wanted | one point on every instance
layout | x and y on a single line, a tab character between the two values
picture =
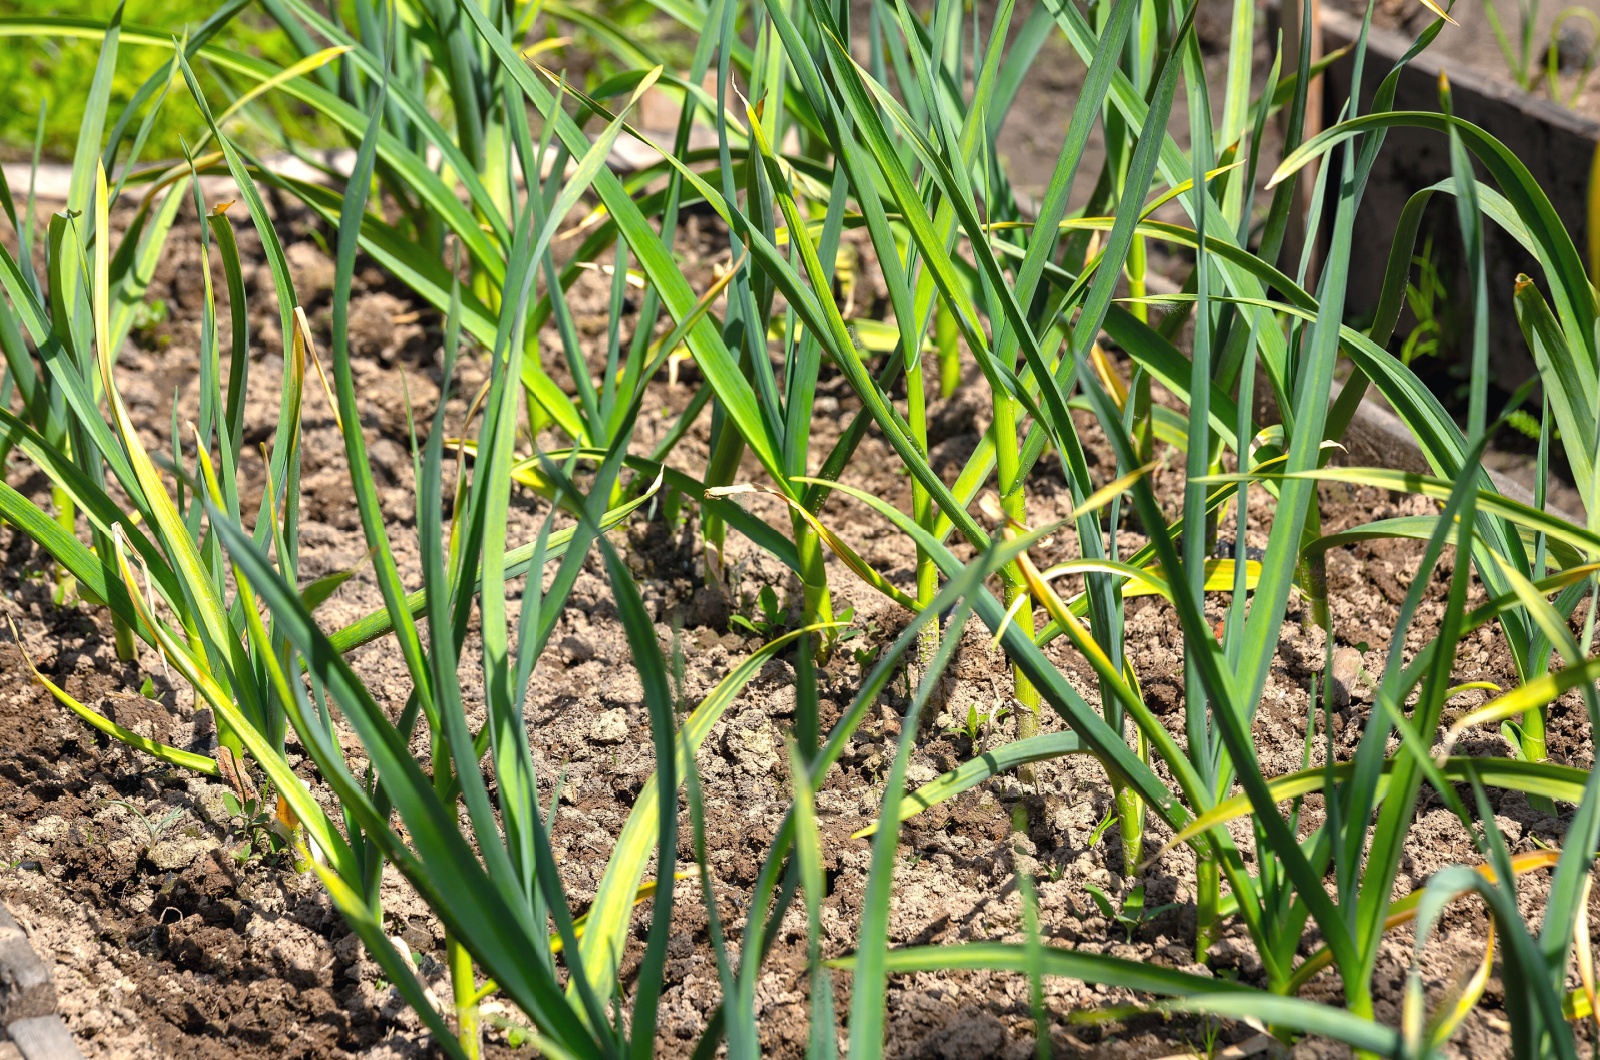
1346	672
576	649
610	726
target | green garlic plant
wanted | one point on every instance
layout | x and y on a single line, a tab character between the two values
900	141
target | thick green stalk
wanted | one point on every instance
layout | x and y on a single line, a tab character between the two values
927	589
1013	502
1533	737
1312	571
67	519
464	986
727	449
816	607
1533	721
1136	270
1130	815
1214	515
1207	899
538	416
924	513
945	334
1144	434
122	638
482	283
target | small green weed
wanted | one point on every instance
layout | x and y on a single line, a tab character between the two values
1100	829
977	722
1133	914
766	619
257	826
155	827
1426	296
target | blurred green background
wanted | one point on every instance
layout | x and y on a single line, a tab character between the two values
55	73
39	70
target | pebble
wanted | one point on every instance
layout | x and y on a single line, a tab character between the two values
1346	672
610	726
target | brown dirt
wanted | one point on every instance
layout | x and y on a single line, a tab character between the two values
1471	44
177	948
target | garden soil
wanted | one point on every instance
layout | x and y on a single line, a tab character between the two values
168	936
1471	44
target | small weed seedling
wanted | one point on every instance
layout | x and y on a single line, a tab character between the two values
976	722
769	622
869	639
1211	1029
1427	298
1133	913
259	829
517	1034
1099	831
156	828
